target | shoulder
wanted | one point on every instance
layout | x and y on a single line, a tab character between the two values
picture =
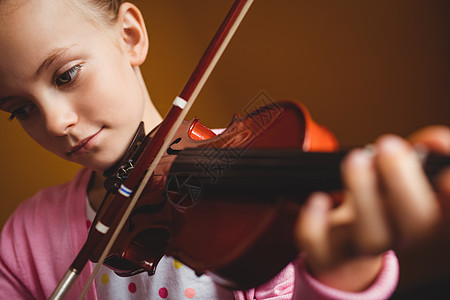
48	221
45	204
47	211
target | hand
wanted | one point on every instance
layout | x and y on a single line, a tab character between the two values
388	203
437	139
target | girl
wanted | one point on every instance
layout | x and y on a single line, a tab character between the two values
70	75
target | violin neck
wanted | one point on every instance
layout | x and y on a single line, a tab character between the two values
265	172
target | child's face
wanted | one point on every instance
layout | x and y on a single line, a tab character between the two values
70	85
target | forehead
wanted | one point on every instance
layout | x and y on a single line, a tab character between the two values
32	29
38	20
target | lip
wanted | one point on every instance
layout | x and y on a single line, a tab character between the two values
84	144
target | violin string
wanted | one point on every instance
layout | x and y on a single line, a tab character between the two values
265	171
261	171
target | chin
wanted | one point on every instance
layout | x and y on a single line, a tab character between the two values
98	166
102	167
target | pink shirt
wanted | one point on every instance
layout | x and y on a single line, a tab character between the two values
43	236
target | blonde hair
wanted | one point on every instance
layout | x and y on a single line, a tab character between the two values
99	11
107	9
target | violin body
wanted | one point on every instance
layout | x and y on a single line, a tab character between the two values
241	240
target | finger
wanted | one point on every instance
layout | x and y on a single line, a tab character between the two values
443	183
443	190
436	138
409	195
312	229
370	231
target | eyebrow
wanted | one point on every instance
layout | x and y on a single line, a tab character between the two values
4	100
53	55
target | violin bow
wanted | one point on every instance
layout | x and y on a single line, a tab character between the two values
135	183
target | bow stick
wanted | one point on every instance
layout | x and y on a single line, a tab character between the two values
135	183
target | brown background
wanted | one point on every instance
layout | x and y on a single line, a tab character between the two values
363	68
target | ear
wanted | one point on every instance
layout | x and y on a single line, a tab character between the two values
133	33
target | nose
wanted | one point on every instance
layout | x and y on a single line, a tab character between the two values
59	117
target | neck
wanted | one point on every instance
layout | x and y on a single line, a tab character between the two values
270	172
151	117
96	191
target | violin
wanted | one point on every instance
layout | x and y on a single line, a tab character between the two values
193	211
220	204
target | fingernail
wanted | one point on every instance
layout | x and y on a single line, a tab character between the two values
318	202
360	157
391	145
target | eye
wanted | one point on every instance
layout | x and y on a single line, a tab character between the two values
21	113
67	76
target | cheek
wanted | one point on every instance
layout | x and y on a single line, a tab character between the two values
114	95
37	131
